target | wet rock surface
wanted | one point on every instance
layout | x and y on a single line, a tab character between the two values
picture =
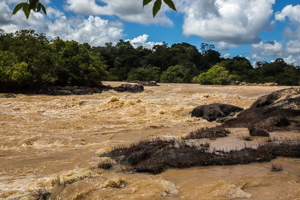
258	132
214	111
78	90
279	110
71	90
145	83
8	96
157	155
134	88
255	84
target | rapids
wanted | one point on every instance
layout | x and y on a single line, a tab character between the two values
45	139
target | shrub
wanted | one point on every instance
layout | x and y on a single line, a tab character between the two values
217	75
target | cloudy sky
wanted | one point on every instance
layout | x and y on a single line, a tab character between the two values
257	29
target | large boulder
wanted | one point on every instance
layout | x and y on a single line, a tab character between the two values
156	155
214	111
145	83
279	110
258	132
129	88
69	90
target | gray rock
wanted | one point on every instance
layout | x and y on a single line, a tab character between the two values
258	132
214	111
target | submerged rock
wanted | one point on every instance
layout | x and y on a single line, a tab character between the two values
279	110
8	96
129	88
214	111
157	155
71	90
78	90
258	132
145	83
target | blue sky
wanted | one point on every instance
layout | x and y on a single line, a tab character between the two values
257	29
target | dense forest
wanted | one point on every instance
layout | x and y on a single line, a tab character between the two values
31	60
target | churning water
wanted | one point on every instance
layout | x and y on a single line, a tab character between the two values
45	139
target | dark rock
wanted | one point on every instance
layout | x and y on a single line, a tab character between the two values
213	111
78	90
105	87
70	90
134	88
211	133
279	110
257	84
225	119
8	96
157	155
145	83
258	132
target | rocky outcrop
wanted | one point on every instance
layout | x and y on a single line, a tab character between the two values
79	90
258	132
8	96
254	84
145	83
279	110
214	111
71	90
157	155
134	88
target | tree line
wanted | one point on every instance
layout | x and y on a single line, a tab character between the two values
31	60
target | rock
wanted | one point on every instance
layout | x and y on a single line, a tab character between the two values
279	110
213	111
129	88
70	90
157	155
225	119
8	96
271	84
256	84
145	83
258	132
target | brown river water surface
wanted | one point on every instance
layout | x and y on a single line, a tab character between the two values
46	137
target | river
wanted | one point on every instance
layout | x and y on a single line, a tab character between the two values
49	138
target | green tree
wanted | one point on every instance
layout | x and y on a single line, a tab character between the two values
144	74
12	73
178	74
217	75
77	65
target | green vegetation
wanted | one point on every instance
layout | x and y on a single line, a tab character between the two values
29	61
217	75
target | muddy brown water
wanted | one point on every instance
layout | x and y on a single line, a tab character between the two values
46	137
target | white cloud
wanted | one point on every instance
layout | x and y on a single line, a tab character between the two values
274	49
293	47
223	46
266	49
12	23
92	30
226	55
292	60
257	57
141	41
292	12
5	14
229	21
129	10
